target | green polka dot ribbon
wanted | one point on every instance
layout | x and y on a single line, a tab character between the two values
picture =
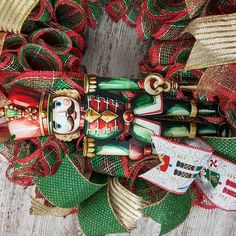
224	147
101	215
68	187
171	211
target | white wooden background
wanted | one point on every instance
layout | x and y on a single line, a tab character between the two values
113	49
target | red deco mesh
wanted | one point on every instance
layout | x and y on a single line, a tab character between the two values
36	57
215	83
199	198
43	11
9	62
36	158
50	58
51	38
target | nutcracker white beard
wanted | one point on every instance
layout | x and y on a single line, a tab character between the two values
66	115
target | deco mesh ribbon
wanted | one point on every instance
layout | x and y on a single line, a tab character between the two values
46	56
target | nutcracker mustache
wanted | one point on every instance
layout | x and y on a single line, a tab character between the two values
71	109
70	113
71	121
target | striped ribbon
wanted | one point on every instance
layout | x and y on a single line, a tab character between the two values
13	14
125	204
215	41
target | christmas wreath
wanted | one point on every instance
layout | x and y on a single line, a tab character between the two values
152	149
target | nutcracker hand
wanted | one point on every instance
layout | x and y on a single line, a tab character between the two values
153	84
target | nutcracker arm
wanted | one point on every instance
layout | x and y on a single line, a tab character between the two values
94	83
154	84
134	149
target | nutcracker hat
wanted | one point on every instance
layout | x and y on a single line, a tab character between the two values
28	113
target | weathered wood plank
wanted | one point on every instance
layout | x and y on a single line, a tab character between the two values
113	49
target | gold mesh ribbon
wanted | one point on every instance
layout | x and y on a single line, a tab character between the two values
13	14
194	6
125	204
215	41
3	101
219	81
2	40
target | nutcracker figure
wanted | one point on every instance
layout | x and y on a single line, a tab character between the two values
106	119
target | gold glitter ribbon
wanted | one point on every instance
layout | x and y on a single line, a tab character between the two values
215	41
125	204
13	14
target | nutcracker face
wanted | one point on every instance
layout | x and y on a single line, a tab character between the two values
66	115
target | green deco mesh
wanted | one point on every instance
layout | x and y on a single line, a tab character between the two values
28	27
41	81
97	218
35	57
13	42
70	62
70	13
96	11
52	38
43	11
144	189
9	62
